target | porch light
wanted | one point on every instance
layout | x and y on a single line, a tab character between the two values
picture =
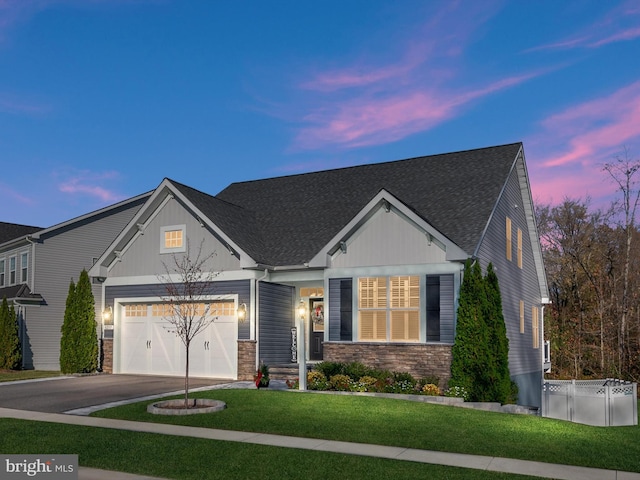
107	316
242	312
302	309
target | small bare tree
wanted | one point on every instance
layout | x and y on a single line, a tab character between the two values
188	281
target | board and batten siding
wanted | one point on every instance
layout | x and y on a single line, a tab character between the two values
60	256
143	257
516	284
276	306
242	288
388	239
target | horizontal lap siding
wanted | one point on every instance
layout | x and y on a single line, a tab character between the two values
60	257
276	307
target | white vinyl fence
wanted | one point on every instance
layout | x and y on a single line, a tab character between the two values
607	402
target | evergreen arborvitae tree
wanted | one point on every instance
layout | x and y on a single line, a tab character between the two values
79	343
469	362
69	340
498	341
10	349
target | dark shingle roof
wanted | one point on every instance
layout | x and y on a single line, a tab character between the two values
13	231
288	220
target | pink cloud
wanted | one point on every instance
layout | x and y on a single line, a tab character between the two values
14	105
595	128
87	183
618	25
369	120
9	193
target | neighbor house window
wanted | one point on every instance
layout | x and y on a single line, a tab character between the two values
389	308
24	267
508	238
521	316
172	239
535	327
2	267
12	270
519	248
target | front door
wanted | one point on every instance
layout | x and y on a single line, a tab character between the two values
316	323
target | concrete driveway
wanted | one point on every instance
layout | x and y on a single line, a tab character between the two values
59	395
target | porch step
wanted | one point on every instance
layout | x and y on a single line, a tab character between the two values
288	371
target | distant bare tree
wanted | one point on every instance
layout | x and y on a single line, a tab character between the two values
624	171
188	281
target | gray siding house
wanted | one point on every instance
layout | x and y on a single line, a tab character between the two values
47	260
375	254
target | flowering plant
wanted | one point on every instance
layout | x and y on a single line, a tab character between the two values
261	378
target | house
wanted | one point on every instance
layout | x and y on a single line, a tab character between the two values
37	265
375	254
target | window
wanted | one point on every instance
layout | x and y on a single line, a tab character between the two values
172	239
24	267
519	248
535	328
521	316
222	309
508	238
389	308
135	310
12	270
2	266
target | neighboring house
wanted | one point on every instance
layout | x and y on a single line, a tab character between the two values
375	253
37	266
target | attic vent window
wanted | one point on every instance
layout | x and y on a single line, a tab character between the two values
172	239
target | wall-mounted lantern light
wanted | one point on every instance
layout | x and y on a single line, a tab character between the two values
107	316
302	309
242	312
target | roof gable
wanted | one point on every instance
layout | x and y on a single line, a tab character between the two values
297	215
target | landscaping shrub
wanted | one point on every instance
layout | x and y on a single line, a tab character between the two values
431	389
317	381
10	350
340	383
365	383
329	369
457	391
356	370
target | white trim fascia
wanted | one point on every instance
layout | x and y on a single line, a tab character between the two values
386	200
534	236
245	258
390	270
153	279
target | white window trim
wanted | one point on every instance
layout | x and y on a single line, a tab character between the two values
15	270
3	272
26	277
170	228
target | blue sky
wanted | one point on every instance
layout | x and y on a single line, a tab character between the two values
102	99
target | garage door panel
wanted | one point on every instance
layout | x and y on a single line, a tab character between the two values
134	347
149	346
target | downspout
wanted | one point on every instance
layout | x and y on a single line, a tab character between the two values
256	310
31	283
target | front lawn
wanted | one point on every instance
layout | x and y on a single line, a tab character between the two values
410	424
185	458
14	375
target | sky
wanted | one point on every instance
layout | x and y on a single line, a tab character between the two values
102	99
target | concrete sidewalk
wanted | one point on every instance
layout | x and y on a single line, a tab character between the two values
496	464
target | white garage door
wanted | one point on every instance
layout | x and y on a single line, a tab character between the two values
149	346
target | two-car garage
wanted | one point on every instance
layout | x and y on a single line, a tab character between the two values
145	341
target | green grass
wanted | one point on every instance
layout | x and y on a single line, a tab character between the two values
13	375
412	425
198	459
